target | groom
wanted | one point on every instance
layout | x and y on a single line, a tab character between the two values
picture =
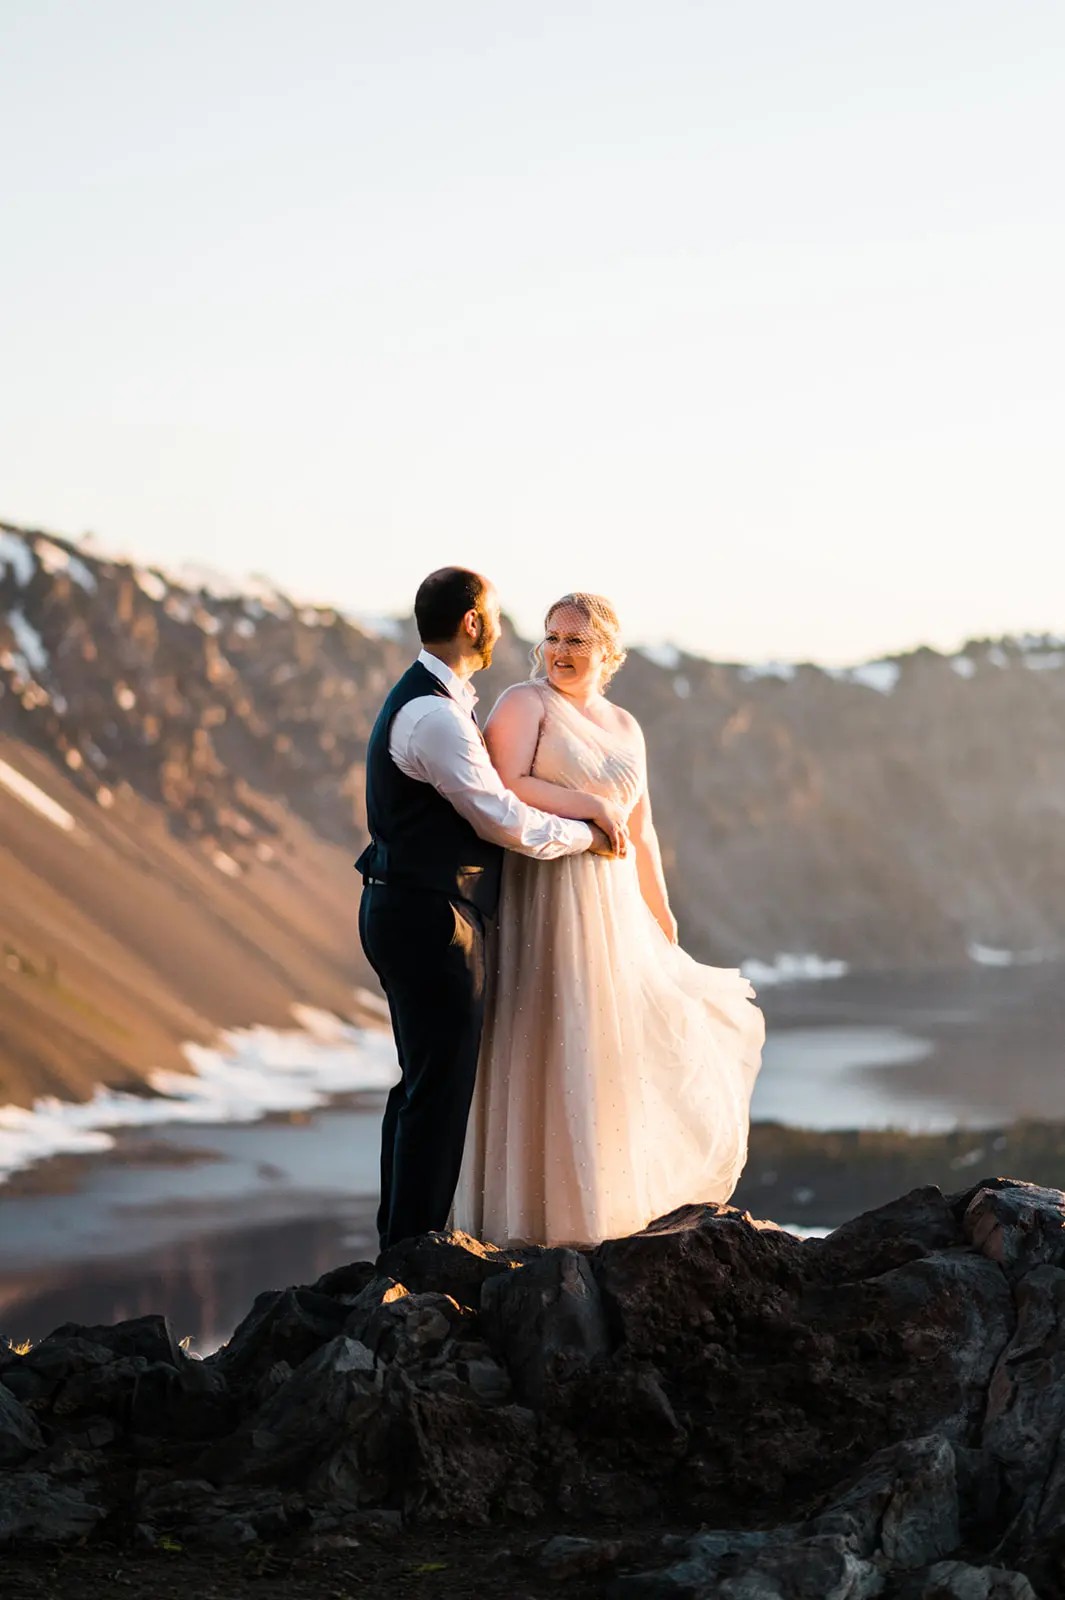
439	820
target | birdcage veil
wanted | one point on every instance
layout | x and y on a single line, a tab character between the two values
602	625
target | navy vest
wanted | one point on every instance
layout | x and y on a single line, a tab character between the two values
416	836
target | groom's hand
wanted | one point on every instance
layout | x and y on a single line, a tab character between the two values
603	845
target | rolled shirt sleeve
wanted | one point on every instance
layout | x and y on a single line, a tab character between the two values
437	742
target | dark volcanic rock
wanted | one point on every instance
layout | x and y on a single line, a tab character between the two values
34	1510
449	1263
19	1433
1017	1227
876	1413
901	1231
148	1338
547	1322
302	1419
957	1580
282	1325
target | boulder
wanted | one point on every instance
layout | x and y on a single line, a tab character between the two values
547	1323
282	1325
956	1580
148	1338
327	1394
35	1510
1016	1225
451	1263
914	1225
19	1434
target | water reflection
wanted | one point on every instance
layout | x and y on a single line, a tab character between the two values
203	1284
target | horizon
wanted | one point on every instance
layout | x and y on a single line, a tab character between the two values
185	573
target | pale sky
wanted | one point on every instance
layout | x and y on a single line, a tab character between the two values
747	313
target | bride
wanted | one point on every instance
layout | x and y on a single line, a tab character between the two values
615	1072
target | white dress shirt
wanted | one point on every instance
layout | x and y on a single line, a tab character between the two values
435	740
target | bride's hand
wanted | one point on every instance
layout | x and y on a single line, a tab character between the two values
611	819
668	925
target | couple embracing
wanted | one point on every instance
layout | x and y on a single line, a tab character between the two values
568	1073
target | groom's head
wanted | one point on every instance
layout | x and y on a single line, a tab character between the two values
458	610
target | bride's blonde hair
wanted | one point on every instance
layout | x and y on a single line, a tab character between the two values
603	627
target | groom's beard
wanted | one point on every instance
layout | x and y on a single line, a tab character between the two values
483	645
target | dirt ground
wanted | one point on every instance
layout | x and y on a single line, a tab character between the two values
423	1564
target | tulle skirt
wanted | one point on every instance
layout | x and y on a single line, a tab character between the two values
615	1074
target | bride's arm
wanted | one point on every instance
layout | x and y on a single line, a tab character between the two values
511	734
649	866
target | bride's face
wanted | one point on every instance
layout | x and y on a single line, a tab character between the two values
573	656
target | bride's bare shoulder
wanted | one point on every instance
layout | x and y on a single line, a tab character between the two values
529	690
521	700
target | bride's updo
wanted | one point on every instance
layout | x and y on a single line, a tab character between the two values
603	627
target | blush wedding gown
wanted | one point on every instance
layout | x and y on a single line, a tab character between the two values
615	1073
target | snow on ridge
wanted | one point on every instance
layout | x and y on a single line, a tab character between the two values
376	627
882	676
1037	642
151	583
15	552
1043	660
662	655
29	641
986	955
793	967
784	670
54	558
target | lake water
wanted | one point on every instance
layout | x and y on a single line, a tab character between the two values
195	1220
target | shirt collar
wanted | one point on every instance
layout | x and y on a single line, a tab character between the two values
460	689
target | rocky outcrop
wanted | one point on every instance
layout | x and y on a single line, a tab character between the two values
712	1407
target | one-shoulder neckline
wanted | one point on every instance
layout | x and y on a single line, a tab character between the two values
561	699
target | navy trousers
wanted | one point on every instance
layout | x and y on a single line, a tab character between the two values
428	952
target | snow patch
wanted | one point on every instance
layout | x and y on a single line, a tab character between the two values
879	675
36	799
150	583
793	967
986	955
663	655
29	641
54	558
15	553
251	1072
785	670
378	627
1044	660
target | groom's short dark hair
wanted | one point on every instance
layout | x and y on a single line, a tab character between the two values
443	599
